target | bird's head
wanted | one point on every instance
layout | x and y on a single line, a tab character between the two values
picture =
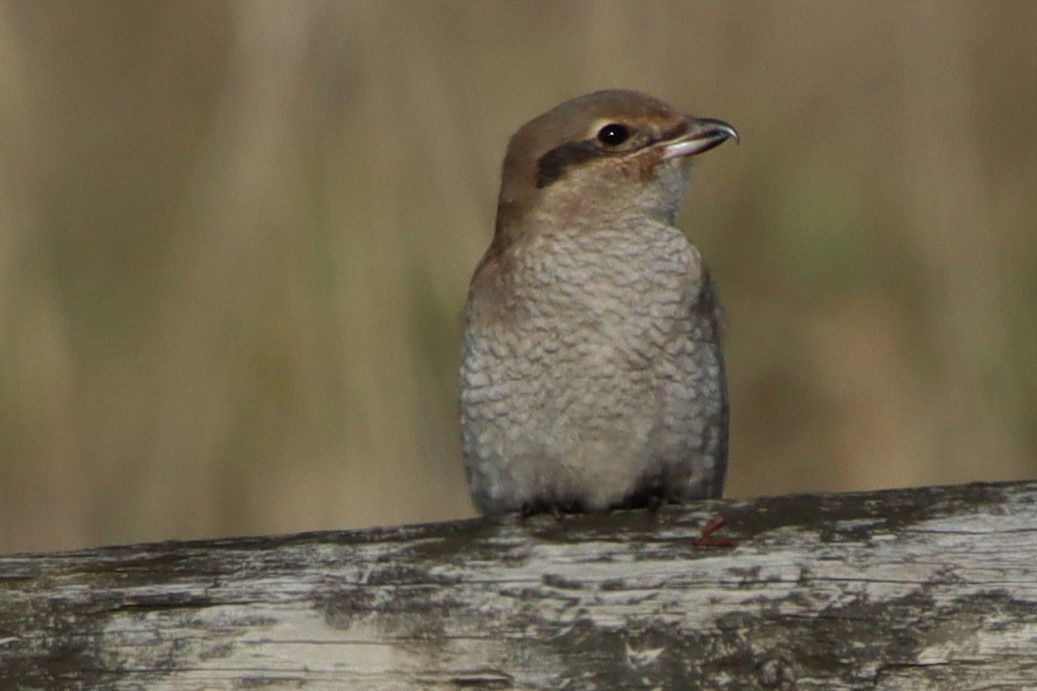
601	160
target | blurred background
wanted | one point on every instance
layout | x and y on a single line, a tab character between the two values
235	238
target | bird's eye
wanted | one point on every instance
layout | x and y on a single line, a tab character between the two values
613	134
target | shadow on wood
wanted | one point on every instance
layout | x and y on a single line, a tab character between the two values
916	588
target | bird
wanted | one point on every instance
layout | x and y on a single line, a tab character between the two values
591	375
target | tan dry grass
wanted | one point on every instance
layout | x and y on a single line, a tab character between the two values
235	238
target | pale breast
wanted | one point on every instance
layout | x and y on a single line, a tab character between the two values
601	370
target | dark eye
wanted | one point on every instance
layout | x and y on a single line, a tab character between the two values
613	134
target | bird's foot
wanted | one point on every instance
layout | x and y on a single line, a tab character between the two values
706	539
538	507
655	502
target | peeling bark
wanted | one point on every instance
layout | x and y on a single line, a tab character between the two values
917	588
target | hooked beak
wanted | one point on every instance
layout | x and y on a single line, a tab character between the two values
703	134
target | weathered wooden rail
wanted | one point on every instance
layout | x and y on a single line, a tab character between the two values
917	588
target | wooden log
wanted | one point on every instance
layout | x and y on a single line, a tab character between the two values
930	588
